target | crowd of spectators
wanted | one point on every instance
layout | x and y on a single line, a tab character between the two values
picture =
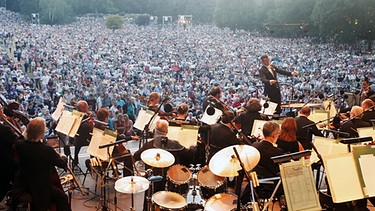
119	69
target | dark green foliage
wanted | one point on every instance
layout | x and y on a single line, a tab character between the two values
114	22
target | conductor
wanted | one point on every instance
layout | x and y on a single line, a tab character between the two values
268	76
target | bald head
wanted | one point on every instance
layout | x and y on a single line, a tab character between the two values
82	106
161	127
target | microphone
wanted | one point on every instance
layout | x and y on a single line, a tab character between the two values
266	104
99	122
343	134
356	140
210	111
211	108
168	108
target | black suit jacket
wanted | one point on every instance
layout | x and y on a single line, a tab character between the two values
273	91
34	175
351	127
368	115
221	137
7	139
266	167
301	133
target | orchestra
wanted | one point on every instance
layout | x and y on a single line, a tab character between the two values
293	135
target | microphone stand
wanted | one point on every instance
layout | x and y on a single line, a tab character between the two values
146	128
242	173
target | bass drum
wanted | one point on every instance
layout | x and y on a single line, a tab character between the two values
168	201
221	202
210	184
178	179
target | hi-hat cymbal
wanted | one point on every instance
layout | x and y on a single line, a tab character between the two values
158	158
132	184
225	163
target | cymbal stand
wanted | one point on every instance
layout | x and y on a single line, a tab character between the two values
150	191
103	206
242	173
147	126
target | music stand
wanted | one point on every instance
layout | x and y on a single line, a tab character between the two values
280	160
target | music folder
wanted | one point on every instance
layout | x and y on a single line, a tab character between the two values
59	110
69	122
352	171
144	117
100	137
186	135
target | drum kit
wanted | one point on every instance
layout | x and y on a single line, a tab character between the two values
193	188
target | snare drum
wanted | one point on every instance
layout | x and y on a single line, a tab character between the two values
178	178
210	184
221	202
168	201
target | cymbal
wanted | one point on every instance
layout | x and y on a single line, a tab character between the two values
132	184
158	158
225	163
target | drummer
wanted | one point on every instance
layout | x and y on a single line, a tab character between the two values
160	140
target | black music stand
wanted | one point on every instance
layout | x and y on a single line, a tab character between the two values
350	141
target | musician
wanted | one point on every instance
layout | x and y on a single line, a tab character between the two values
85	130
182	155
287	140
355	121
222	134
36	161
266	167
366	91
369	112
214	98
153	101
267	74
246	119
302	134
119	151
7	140
182	112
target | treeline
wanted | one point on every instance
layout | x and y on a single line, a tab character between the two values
343	20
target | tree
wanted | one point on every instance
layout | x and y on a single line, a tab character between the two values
55	12
114	22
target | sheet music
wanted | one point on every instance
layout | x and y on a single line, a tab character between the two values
271	108
299	186
327	146
211	119
257	130
329	105
364	157
65	123
100	137
186	135
319	115
77	123
366	131
59	109
143	118
343	178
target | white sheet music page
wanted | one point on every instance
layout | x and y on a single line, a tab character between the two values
65	123
100	137
59	109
